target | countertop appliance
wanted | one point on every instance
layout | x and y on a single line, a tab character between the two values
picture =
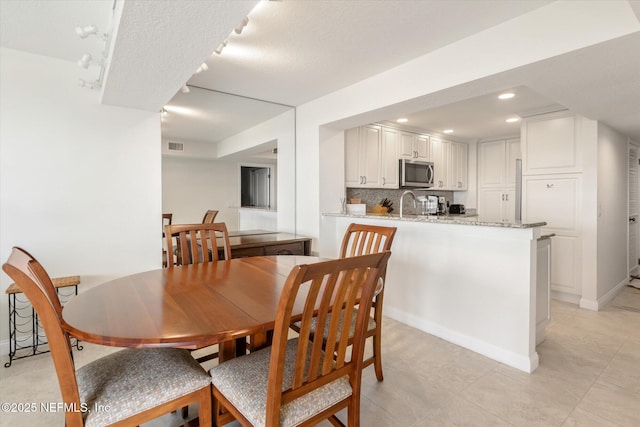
456	209
427	205
414	173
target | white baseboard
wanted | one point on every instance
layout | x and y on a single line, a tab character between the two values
566	297
605	299
518	361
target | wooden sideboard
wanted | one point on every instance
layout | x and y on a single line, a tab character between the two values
260	242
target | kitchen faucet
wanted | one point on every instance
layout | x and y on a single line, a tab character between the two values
402	200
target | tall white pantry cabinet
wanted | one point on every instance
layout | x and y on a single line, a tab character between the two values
497	179
552	191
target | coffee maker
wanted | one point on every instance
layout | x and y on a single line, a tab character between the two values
432	205
442	205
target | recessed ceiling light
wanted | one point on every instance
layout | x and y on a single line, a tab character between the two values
507	95
512	119
402	120
447	131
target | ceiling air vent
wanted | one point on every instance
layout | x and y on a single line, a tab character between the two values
176	146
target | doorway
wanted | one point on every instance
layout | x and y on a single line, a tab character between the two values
634	210
255	185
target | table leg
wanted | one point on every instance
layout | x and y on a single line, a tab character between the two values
226	350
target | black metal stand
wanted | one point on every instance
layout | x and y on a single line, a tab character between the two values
26	335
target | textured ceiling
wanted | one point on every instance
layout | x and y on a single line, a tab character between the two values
294	51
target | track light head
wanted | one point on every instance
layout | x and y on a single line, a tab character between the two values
201	68
185	89
85	61
84	32
90	85
220	47
240	27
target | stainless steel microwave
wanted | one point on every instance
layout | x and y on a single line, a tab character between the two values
416	174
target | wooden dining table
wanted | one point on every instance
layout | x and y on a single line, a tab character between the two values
190	306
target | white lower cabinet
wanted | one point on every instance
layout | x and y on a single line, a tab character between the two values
565	264
554	199
497	204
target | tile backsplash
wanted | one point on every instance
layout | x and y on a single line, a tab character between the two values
373	196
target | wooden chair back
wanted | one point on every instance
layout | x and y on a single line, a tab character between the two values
209	217
363	239
333	289
166	219
196	243
35	283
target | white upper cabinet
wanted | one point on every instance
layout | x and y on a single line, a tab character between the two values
440	151
458	166
372	155
413	146
389	158
363	157
550	144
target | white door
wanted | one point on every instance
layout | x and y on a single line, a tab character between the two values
634	225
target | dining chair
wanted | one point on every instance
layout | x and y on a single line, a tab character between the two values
362	239
209	217
294	382
127	387
166	220
200	239
196	243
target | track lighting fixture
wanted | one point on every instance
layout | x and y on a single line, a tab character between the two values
240	27
87	60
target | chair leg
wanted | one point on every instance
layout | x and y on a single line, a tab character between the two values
377	356
205	414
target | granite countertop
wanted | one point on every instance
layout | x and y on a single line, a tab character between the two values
442	219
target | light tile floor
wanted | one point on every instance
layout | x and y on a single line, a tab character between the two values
589	375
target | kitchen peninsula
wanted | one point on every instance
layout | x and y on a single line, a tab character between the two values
468	281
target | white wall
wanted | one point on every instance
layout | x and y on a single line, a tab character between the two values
79	181
613	193
192	186
281	129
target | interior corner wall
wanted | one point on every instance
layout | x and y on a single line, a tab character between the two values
190	187
613	193
79	181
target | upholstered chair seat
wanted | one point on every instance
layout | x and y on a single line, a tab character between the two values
134	380
244	382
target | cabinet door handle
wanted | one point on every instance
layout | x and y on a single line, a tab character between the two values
384	180
364	179
503	197
549	185
506	197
